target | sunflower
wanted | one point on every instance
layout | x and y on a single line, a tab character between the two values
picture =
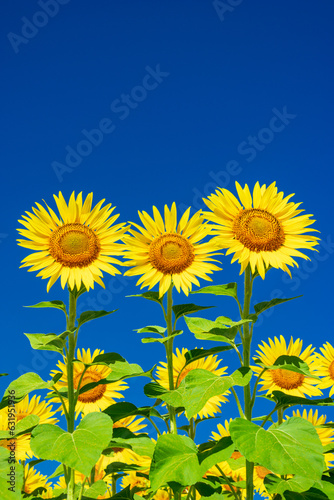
34	480
131	479
262	230
165	252
326	367
98	398
287	381
18	446
326	434
76	246
209	363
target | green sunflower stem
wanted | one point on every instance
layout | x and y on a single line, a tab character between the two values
169	354
70	389
246	341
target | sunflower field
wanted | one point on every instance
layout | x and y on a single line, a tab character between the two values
97	442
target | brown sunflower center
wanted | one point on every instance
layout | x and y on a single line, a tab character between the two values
74	245
92	395
286	379
331	370
262	472
171	253
258	230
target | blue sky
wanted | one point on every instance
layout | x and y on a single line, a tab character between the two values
146	103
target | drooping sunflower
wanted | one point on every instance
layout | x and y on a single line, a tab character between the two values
289	382
326	434
165	252
262	230
34	479
209	363
98	398
326	367
76	246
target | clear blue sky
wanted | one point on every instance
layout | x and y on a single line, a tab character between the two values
145	103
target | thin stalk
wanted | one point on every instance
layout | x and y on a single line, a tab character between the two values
169	354
154	425
71	396
113	484
236	496
246	342
255	387
268	417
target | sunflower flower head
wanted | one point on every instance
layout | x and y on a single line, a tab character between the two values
99	397
165	252
75	246
180	370
287	381
326	367
264	230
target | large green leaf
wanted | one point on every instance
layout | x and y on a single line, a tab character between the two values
221	330
23	426
23	385
47	341
11	476
213	452
228	289
293	447
80	449
90	315
277	484
55	304
182	309
174	459
117	411
263	306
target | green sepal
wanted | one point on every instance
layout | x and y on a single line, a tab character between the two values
90	315
228	289
55	304
263	306
182	309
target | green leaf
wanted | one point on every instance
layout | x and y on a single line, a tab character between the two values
293	447
120	367
55	304
24	426
22	386
58	472
213	452
123	438
263	306
98	488
285	400
196	354
47	341
276	484
205	329
174	459
117	411
312	494
152	329
229	289
80	449
201	385
182	309
291	363
149	340
149	296
116	467
90	315
11	476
